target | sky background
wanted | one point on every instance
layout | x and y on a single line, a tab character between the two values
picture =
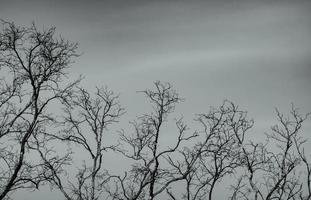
255	53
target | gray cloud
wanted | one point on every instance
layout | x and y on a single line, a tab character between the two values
256	53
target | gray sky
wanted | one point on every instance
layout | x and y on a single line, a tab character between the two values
255	53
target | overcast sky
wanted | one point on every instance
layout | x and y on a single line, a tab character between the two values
255	53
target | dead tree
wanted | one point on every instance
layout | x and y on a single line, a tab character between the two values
33	67
86	120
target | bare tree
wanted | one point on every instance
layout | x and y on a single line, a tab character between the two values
264	170
217	155
34	65
150	172
35	84
86	120
279	169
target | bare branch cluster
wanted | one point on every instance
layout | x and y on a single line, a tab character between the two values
151	173
86	120
36	63
190	167
279	169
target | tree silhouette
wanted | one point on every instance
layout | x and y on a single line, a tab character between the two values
36	64
41	109
150	172
85	121
218	155
279	169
